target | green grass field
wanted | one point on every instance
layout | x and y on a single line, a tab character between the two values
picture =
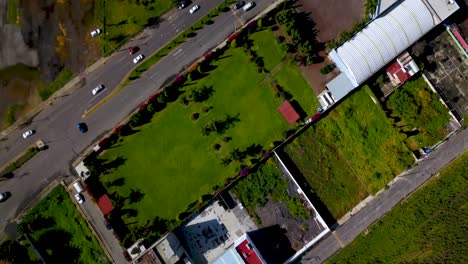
122	19
350	153
173	164
60	233
428	227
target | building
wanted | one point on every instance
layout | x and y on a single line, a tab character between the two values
242	252
383	39
402	69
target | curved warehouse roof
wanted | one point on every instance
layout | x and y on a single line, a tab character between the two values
382	40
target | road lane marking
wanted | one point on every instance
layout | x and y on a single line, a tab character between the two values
177	52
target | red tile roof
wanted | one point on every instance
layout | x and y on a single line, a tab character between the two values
105	204
397	72
248	253
288	112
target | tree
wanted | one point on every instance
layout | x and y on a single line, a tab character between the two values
234	43
12	252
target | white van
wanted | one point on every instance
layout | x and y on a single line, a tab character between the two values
249	6
78	187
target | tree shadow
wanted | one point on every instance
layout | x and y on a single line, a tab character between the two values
118	182
135	196
113	164
118	38
55	247
153	22
40	223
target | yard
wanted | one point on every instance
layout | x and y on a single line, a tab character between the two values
176	158
428	227
122	19
60	233
350	153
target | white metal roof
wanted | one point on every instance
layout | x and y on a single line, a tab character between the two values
383	39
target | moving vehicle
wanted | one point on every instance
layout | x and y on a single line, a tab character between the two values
28	133
98	89
95	32
79	198
138	58
249	6
82	127
4	196
238	5
133	50
194	9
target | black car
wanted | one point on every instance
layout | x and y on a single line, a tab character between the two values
184	3
82	127
4	196
239	4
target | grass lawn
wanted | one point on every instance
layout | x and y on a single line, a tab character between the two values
122	19
173	164
267	47
60	233
428	227
350	153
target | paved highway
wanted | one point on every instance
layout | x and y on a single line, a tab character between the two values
56	124
403	186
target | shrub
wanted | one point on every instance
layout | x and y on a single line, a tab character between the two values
234	43
327	68
217	146
195	116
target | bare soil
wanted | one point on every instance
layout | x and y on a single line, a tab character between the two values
332	16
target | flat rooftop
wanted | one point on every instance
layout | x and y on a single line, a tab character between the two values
441	9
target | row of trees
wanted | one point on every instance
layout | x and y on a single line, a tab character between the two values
300	28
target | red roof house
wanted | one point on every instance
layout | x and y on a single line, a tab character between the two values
105	204
288	112
402	69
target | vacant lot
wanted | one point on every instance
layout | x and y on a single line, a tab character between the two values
429	227
60	233
349	154
122	19
175	159
419	113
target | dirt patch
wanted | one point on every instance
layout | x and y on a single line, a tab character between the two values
332	16
59	31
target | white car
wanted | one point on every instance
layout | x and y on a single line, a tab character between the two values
28	133
194	9
98	89
95	32
138	58
78	198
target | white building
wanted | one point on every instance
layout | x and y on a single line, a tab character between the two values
387	36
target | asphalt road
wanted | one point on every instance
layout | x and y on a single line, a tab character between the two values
56	125
403	186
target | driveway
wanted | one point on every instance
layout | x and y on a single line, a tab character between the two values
402	186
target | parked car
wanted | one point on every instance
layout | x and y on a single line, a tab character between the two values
107	224
4	196
194	9
28	133
249	6
82	127
95	32
138	58
183	4
79	198
133	50
238	5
